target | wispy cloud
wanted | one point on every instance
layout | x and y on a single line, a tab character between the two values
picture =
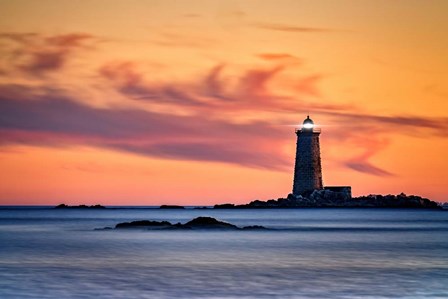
372	134
367	167
404	124
36	54
278	57
57	121
371	145
251	92
174	39
22	38
130	82
225	115
291	28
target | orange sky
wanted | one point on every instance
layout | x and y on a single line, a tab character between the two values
195	102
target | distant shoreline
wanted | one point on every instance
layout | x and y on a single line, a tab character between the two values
189	208
317	200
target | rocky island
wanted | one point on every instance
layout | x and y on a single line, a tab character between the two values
308	190
330	199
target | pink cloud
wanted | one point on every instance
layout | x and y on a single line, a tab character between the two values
37	55
45	116
51	120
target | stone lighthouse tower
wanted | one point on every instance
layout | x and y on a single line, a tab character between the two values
308	169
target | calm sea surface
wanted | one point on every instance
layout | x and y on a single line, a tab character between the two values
310	253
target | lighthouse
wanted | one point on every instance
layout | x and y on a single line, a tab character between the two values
308	169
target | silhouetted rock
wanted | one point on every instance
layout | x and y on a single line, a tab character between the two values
225	206
178	226
209	223
331	199
397	201
64	206
171	207
196	223
143	223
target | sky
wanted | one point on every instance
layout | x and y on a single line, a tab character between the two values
196	102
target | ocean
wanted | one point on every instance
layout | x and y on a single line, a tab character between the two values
308	253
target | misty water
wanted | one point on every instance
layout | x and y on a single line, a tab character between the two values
309	253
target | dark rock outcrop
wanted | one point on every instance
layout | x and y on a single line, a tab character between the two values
64	206
143	223
208	223
196	223
171	207
397	201
228	206
331	199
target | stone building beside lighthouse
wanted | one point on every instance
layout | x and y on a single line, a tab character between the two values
308	167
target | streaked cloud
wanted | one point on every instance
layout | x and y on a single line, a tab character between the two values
291	28
175	39
59	121
37	54
277	57
47	116
366	167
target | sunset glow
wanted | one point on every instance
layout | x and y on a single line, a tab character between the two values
196	102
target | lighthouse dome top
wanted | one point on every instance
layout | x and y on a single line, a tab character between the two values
308	123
